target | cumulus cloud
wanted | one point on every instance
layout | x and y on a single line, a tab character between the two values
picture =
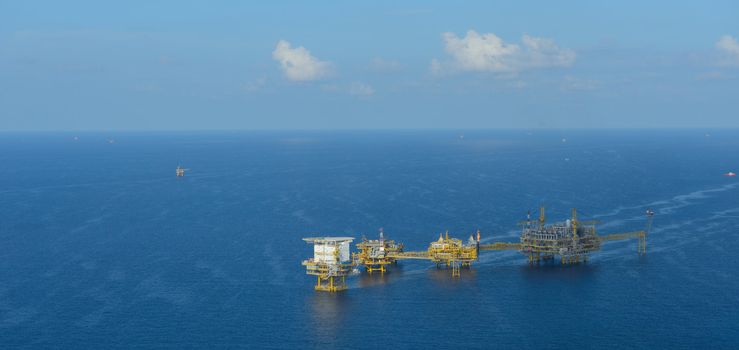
298	64
489	53
730	48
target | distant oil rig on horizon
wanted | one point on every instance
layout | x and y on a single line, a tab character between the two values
572	241
180	171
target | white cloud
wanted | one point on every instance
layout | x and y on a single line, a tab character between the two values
298	64
730	48
489	53
361	89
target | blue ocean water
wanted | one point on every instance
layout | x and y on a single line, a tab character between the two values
102	246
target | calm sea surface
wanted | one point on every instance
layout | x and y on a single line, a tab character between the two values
102	246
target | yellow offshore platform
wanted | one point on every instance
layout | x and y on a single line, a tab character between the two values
447	252
331	262
572	241
375	254
444	252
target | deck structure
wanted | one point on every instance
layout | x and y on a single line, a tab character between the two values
331	262
446	252
375	254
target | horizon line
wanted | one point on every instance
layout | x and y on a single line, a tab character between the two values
46	131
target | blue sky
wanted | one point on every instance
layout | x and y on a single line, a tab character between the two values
184	65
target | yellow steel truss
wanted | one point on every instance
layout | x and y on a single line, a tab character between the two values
375	254
334	275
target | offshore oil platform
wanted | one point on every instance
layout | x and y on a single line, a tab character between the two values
374	253
572	241
331	262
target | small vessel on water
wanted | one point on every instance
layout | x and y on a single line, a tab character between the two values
731	173
180	171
